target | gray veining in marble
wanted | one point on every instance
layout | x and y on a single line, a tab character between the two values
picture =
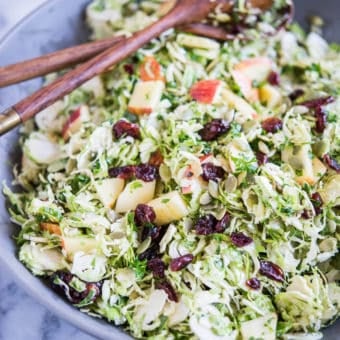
21	317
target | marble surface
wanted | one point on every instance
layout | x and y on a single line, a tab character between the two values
21	317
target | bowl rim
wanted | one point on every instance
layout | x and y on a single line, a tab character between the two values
31	284
99	328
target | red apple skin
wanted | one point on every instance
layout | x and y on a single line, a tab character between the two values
205	158
186	190
204	91
74	122
249	70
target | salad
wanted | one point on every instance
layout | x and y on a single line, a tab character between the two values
192	191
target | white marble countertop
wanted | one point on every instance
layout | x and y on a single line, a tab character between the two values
21	317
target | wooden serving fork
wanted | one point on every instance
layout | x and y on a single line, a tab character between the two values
184	13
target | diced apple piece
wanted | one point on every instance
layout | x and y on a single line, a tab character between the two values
206	91
260	328
206	158
187	189
75	244
46	119
75	121
246	86
108	190
146	97
194	185
270	96
256	69
194	41
169	207
136	192
191	180
94	85
41	150
52	228
244	110
151	70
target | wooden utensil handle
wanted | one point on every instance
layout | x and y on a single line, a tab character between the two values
53	62
62	59
178	16
49	94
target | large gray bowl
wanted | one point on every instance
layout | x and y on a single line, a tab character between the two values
58	24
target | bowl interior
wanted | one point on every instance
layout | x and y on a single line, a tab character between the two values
55	25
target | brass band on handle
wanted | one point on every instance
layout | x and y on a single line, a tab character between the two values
8	120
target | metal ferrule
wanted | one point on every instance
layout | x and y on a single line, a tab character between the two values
8	120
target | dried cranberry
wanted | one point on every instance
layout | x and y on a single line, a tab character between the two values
214	129
223	224
306	214
157	237
332	163
74	296
314	103
123	172
150	253
317	202
261	157
63	276
272	271
240	239
151	231
321	120
146	172
296	94
125	128
274	78
156	158
253	283
144	214
212	172
205	225
129	69
181	262
236	29
272	124
169	290
157	266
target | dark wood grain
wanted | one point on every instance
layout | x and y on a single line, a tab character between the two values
53	62
62	59
184	12
214	32
57	61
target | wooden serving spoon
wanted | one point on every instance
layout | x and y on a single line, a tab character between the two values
184	12
68	57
